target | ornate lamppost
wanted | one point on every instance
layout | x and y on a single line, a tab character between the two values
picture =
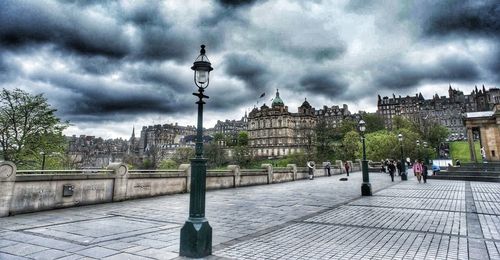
426	154
404	177
366	187
418	149
196	234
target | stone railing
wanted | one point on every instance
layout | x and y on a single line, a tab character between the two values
30	191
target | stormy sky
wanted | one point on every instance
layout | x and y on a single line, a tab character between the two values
107	66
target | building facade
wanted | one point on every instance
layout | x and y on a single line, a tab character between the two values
275	131
446	111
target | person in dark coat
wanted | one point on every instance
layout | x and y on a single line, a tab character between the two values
392	169
399	167
310	165
327	167
346	166
424	172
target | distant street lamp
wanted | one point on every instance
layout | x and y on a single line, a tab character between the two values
196	234
366	187
426	154
418	149
403	163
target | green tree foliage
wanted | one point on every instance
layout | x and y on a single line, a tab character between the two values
183	155
215	154
325	137
28	126
436	135
351	146
242	138
347	126
168	164
374	122
399	122
381	145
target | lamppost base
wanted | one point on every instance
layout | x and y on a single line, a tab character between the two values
404	177
366	189
196	238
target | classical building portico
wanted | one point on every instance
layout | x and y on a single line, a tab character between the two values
487	123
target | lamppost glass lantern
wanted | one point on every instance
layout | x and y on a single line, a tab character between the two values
366	187
202	68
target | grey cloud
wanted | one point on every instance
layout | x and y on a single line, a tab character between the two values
323	83
237	3
96	97
397	75
461	17
248	69
37	23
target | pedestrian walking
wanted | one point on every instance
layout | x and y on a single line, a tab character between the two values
424	172
347	167
399	167
417	170
327	168
310	165
392	169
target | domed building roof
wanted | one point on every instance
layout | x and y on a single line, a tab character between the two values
277	101
306	104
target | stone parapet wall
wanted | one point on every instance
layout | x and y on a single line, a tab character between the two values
31	191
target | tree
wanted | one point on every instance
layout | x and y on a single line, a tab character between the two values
374	122
183	155
351	146
28	127
325	136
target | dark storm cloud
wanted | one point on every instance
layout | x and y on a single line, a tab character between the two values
102	98
461	17
247	68
237	3
40	23
398	75
323	83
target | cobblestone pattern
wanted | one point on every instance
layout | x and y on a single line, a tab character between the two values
485	187
493	249
413	203
423	193
317	241
490	226
444	222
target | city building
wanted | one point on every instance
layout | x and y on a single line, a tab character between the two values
446	111
275	131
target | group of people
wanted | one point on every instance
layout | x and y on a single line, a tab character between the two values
420	170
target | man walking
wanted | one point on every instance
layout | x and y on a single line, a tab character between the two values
347	167
392	169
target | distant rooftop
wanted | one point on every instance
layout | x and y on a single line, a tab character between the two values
479	114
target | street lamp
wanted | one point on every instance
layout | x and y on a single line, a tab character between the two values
418	149
403	163
196	234
366	187
426	154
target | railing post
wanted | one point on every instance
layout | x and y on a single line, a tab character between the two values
120	171
7	182
186	168
293	168
269	168
236	174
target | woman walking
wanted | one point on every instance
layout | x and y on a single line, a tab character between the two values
417	169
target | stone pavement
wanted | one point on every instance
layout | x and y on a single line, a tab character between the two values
320	219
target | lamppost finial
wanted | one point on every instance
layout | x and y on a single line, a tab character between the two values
202	51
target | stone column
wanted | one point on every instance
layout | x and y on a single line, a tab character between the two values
269	168
186	169
120	171
470	138
293	169
340	165
236	173
358	164
7	182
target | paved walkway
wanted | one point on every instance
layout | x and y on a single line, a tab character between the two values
320	219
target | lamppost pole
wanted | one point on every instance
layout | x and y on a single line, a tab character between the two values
196	234
426	156
418	149
404	177
366	187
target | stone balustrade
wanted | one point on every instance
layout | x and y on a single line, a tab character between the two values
31	191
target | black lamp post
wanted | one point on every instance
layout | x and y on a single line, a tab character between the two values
426	154
404	177
196	234
366	187
418	149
